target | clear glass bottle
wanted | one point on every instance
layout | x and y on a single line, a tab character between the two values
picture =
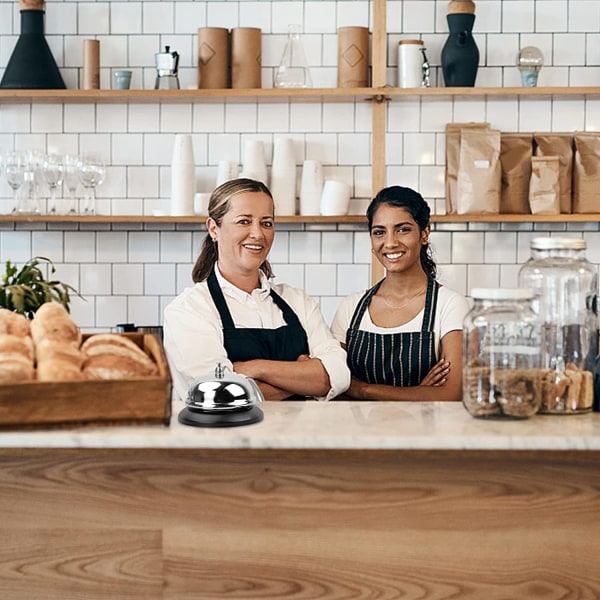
566	288
293	71
501	354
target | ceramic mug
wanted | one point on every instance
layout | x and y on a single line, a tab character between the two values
122	80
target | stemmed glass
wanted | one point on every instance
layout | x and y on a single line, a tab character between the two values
91	175
53	170
14	168
71	181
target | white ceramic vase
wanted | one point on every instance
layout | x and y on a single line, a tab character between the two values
283	177
311	187
183	176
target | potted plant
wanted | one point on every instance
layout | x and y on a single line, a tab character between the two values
24	290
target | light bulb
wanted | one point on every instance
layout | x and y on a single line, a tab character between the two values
529	61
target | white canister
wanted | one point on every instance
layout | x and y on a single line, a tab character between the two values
410	63
335	199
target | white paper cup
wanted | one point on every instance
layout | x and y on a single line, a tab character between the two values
335	199
311	187
226	171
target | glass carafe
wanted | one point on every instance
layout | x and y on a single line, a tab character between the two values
293	71
566	287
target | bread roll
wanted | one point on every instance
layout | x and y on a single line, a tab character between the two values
18	344
13	323
53	322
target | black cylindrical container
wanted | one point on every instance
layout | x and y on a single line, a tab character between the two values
31	65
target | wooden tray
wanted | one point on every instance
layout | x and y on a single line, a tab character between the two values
42	405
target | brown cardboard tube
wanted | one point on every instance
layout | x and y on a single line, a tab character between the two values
353	57
91	64
213	57
246	50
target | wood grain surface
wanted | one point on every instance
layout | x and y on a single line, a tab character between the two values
171	525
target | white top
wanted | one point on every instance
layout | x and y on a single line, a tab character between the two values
339	425
193	331
450	313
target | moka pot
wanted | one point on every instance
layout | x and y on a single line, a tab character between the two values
166	70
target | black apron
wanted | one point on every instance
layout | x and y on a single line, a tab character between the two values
399	359
287	342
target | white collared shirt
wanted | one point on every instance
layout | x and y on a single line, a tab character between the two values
193	331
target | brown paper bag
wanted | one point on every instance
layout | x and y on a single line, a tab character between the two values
479	173
515	158
544	188
452	157
561	145
586	173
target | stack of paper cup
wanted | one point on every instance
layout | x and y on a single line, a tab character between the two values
254	164
226	171
283	177
183	176
335	199
311	187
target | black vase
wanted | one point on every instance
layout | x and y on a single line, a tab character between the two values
31	65
460	55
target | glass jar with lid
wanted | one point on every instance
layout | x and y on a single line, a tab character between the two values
501	354
566	287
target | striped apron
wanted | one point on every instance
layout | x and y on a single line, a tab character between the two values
399	359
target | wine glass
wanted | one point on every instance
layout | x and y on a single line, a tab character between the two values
71	181
53	171
14	169
91	175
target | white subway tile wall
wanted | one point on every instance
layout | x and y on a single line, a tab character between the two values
129	272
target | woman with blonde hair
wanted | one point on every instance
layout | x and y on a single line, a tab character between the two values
234	315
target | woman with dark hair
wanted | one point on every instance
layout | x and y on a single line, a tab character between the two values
233	315
406	331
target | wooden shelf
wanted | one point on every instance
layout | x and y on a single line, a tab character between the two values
392	93
469	218
185	96
167	219
505	218
376	94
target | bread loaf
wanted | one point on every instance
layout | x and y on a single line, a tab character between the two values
112	356
13	323
47	350
53	322
15	367
57	369
16	343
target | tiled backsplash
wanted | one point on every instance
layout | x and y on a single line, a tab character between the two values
129	272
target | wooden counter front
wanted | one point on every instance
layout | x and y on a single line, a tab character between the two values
119	522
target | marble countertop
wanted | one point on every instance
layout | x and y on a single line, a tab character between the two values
339	425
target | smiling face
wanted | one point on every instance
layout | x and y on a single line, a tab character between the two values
396	239
245	236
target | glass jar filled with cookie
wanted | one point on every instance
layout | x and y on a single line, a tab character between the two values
566	287
501	354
